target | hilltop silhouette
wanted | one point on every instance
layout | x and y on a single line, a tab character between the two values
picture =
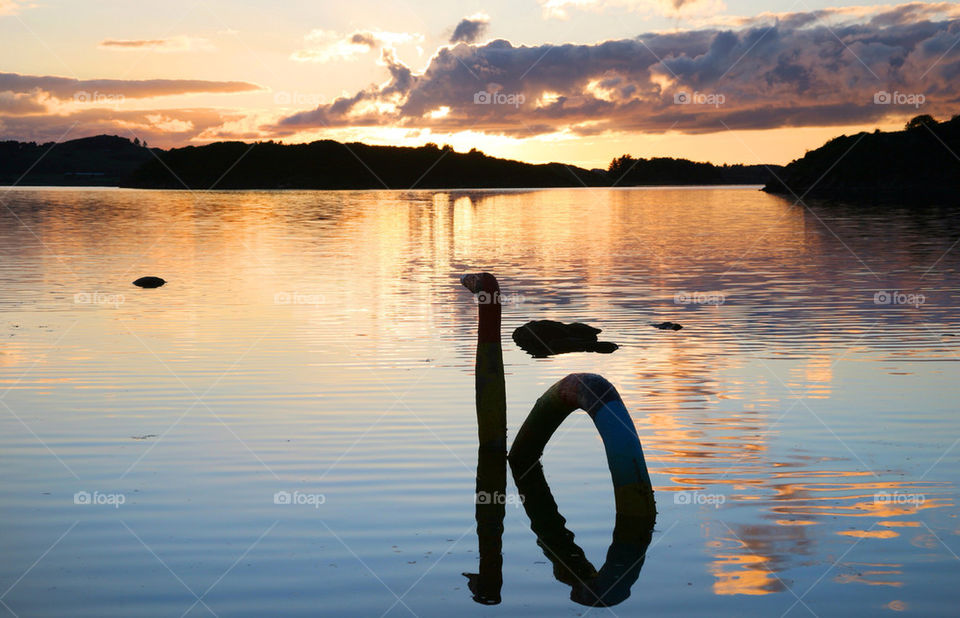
107	160
627	171
104	160
917	165
328	164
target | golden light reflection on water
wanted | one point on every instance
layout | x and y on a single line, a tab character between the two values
744	573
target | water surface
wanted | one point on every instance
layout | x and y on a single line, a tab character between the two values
801	429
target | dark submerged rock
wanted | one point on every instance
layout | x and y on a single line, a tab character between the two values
541	338
667	326
149	282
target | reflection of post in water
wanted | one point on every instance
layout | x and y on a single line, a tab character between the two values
633	492
491	491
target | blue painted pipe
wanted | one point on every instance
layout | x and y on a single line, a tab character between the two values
633	490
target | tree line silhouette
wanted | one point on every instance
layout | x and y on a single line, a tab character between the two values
116	161
328	164
104	160
918	165
627	171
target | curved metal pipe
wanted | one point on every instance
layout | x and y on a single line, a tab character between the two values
632	488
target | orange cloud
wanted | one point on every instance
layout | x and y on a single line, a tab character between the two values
164	127
180	43
65	88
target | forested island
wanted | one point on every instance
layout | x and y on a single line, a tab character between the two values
918	165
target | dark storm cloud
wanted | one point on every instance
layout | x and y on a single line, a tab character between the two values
470	29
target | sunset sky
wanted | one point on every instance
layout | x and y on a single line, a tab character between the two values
579	81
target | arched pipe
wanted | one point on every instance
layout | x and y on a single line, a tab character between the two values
633	491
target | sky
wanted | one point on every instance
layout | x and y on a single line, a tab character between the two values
578	81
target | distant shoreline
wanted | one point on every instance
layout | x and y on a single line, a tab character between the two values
915	166
755	186
108	160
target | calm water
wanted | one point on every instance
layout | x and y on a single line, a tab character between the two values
801	431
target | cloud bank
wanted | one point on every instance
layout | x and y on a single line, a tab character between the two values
162	127
818	68
44	108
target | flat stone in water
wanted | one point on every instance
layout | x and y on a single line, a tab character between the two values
667	326
542	338
149	282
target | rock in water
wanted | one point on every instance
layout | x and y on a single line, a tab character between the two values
667	326
149	282
542	338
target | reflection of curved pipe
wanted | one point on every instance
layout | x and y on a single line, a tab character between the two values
633	491
491	490
491	391
631	537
